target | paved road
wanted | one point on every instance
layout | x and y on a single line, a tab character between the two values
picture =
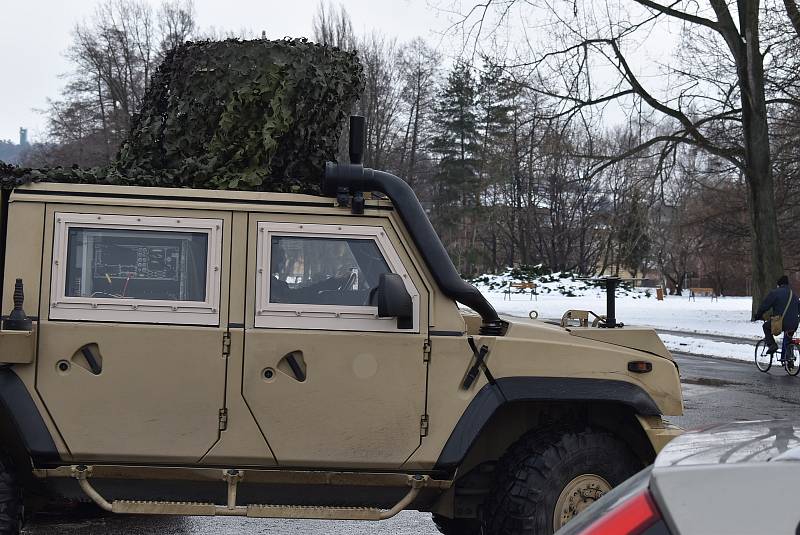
406	523
714	391
718	390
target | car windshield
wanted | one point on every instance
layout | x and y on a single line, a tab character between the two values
609	501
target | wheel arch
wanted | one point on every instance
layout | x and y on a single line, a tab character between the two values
532	400
495	426
23	433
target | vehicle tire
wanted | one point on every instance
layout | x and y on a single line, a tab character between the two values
763	359
456	526
547	477
792	360
11	507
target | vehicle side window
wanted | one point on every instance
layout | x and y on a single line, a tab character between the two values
136	264
324	271
315	276
137	269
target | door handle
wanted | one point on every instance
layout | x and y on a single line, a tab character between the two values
293	362
298	372
92	357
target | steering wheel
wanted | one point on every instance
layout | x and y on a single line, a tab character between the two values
348	282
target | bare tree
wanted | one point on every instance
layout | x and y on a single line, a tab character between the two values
176	24
722	110
332	26
115	52
380	101
419	68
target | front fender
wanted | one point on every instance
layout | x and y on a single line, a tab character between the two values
512	389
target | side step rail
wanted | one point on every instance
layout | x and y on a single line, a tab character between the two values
233	477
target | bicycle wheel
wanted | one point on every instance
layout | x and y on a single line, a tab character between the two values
791	361
762	357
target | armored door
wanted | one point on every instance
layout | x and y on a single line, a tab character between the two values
330	383
131	331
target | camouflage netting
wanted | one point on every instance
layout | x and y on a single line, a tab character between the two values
257	115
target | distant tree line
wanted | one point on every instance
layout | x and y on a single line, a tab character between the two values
505	155
10	152
114	54
717	113
504	181
517	163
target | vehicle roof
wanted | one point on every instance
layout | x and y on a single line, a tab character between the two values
735	442
30	192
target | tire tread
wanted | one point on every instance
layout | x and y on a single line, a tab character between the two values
527	476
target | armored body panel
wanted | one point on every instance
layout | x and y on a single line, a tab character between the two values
279	355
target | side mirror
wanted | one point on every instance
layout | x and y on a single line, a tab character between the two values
394	300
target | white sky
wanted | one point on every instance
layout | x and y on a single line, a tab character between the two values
36	33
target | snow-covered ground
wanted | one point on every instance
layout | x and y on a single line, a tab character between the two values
711	348
726	316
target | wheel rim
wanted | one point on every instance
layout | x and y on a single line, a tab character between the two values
792	362
763	359
577	495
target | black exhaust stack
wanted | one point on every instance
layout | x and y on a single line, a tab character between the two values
354	179
356	142
611	304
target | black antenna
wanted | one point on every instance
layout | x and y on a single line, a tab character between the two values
17	320
356	139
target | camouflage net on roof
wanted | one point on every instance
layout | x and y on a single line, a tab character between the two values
255	115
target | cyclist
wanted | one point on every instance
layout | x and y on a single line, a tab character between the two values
780	301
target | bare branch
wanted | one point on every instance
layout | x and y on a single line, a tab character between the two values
669	10
794	14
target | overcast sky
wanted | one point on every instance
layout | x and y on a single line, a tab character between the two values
35	34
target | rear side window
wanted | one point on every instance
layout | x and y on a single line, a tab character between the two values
324	271
137	264
136	269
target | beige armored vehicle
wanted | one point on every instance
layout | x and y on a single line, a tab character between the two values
196	352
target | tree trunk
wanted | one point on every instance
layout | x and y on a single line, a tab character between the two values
766	250
404	150
412	159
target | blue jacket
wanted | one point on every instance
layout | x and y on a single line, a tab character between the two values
776	300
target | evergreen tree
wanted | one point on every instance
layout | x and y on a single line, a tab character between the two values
497	107
457	143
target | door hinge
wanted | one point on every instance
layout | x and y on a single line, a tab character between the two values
223	419
424	423
426	350
226	344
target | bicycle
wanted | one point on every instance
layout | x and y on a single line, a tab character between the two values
789	354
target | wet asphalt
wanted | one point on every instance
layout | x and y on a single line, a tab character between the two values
715	391
718	390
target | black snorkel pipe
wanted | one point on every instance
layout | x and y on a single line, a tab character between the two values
355	179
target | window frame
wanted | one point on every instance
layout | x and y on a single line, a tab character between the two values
325	317
109	309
